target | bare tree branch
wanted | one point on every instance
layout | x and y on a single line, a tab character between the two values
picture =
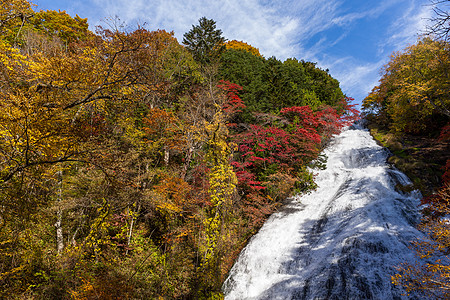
440	27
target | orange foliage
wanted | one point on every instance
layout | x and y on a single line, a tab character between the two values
431	274
174	191
240	45
162	126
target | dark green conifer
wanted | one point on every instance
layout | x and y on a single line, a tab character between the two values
204	41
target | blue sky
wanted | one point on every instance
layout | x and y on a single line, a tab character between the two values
351	38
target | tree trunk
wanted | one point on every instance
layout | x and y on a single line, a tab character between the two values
59	213
187	161
166	157
133	220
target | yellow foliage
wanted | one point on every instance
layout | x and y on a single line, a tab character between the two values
172	193
10	57
164	129
83	292
222	187
415	85
240	45
431	274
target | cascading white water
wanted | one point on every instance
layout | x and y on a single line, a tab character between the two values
342	241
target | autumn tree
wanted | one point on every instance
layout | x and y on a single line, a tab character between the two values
14	15
243	46
122	159
222	190
79	114
414	88
430	274
59	24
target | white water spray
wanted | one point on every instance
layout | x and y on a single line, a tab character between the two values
340	242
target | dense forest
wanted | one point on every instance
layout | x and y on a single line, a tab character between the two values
136	167
409	112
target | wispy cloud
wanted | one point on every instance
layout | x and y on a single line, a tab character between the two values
356	78
258	24
315	30
357	75
409	25
275	27
349	18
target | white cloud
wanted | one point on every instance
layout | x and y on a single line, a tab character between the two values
259	25
359	79
356	77
275	27
373	12
305	29
406	29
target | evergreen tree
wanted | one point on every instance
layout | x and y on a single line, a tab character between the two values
204	41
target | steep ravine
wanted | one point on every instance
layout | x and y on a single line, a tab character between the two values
342	241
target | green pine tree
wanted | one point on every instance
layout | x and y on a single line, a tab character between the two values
204	41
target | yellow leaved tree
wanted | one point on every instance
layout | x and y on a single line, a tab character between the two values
414	88
431	275
240	45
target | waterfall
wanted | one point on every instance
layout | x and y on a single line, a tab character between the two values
341	241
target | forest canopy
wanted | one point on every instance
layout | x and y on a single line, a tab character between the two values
132	163
413	93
